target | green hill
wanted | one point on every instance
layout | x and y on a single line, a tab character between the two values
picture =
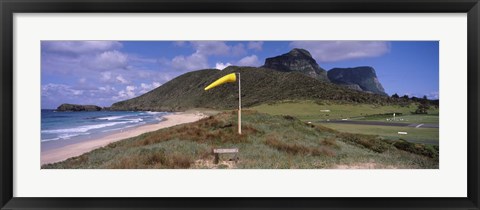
267	142
259	85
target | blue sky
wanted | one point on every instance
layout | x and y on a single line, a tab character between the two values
104	72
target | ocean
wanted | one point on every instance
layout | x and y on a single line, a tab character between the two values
63	128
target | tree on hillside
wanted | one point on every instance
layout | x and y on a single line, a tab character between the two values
395	96
423	107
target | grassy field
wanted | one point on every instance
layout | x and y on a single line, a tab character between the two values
267	142
413	118
419	135
309	110
316	112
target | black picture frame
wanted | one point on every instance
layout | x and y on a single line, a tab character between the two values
10	7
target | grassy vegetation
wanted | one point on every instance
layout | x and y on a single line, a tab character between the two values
421	135
413	118
421	149
267	142
317	110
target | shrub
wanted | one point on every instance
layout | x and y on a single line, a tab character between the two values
297	149
288	117
419	149
330	141
370	142
179	161
323	129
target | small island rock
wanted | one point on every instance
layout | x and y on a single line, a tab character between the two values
77	108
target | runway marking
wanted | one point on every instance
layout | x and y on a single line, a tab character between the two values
418	126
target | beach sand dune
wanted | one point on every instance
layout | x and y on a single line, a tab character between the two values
73	150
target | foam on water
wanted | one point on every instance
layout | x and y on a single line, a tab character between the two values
111	118
64	137
82	129
57	126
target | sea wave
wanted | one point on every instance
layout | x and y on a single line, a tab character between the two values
135	120
64	136
52	139
77	125
111	117
85	128
153	113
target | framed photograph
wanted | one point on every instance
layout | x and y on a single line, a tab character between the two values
239	105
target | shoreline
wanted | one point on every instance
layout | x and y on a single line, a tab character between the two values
73	150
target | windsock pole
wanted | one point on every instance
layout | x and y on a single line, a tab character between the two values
239	105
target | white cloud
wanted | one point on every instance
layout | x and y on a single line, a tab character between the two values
78	47
207	48
121	79
55	94
137	59
106	89
221	66
211	47
192	62
144	88
249	61
330	51
130	88
106	76
180	43
199	59
150	86
238	49
77	92
131	91
51	89
108	60
255	45
127	93
82	80
433	95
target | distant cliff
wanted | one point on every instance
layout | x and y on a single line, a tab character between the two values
297	60
77	108
361	78
358	78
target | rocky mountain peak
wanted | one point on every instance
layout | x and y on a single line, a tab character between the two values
299	52
297	60
362	77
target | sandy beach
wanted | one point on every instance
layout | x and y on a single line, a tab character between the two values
63	153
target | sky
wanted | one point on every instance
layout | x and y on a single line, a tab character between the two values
105	72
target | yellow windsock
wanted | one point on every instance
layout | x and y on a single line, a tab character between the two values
227	78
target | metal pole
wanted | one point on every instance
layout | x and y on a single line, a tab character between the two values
239	105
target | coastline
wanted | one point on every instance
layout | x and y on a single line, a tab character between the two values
73	150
